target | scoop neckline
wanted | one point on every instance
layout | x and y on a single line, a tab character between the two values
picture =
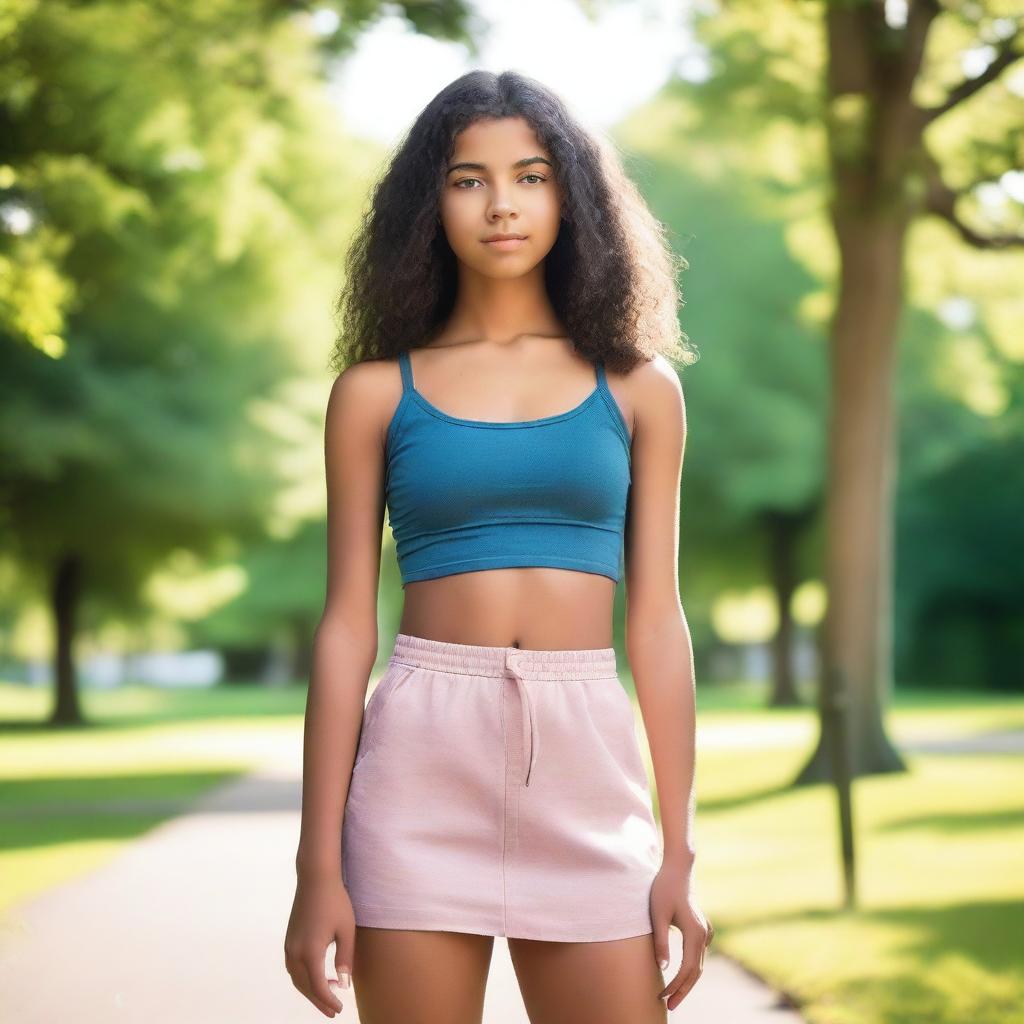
555	418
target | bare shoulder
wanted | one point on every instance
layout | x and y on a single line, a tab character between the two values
653	378
364	397
651	391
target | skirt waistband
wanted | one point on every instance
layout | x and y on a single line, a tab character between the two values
479	660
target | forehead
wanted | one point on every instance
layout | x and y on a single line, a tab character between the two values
505	139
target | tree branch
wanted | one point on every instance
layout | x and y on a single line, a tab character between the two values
920	16
940	199
1005	56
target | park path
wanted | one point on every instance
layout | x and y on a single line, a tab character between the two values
186	924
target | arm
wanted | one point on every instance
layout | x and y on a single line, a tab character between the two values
345	644
344	651
661	658
657	635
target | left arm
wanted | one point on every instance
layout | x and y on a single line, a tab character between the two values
661	655
657	636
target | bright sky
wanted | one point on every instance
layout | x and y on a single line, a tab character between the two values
601	68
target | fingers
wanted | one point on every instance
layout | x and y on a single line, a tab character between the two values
695	942
307	974
707	942
323	996
343	960
661	943
686	977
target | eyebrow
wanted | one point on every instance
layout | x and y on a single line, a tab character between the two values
526	161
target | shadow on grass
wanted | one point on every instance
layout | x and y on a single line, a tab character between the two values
986	932
40	812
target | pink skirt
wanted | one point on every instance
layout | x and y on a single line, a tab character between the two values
500	791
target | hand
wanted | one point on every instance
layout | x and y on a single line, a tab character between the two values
672	903
321	914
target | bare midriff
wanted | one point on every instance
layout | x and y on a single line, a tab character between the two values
538	608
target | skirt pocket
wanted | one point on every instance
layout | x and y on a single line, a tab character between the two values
611	713
393	678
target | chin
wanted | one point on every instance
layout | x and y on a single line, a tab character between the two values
509	270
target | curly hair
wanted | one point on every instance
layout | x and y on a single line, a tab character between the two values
610	275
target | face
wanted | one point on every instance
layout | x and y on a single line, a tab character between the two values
500	180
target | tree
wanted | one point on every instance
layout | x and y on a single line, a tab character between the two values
885	174
753	481
865	105
173	182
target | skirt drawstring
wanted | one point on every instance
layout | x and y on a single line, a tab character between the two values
531	730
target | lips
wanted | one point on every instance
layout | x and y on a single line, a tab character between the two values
507	243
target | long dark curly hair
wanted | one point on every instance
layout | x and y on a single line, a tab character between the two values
611	276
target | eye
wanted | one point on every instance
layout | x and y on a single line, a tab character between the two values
462	181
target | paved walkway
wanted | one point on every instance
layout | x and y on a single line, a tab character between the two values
764	735
1000	741
186	926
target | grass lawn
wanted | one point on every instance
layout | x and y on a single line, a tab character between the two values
70	797
936	937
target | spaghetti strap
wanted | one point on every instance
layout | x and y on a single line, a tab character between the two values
612	405
406	366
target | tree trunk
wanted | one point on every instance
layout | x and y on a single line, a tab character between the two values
783	531
859	495
874	139
67	583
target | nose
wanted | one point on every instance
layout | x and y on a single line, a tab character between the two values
501	207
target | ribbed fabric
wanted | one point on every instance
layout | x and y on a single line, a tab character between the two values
465	495
500	791
475	660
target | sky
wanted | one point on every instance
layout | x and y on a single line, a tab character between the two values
601	68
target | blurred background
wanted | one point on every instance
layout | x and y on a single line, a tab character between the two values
178	184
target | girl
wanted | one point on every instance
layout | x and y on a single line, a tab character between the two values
528	442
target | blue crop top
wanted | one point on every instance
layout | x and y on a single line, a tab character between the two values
465	495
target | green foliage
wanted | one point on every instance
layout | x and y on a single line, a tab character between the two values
737	166
960	551
756	397
178	190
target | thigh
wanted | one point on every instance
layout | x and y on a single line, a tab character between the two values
401	976
589	982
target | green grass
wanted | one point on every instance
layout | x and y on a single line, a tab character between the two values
936	935
71	796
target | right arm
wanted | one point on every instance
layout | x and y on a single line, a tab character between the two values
345	642
344	653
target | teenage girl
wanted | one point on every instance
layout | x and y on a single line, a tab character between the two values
505	392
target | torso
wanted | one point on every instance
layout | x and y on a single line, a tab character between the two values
536	607
533	607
